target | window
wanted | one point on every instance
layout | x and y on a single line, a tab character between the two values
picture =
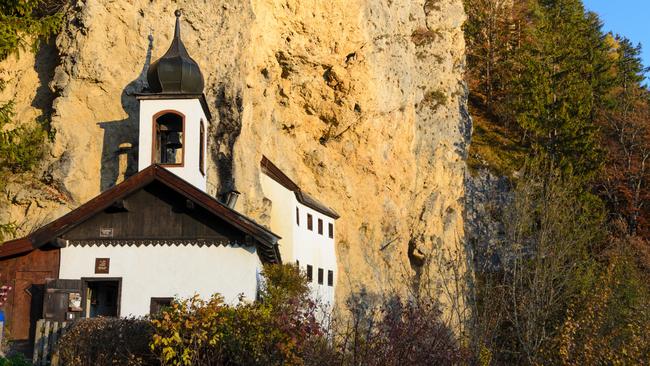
310	273
331	230
320	276
297	216
159	303
168	139
330	278
310	223
297	263
320	226
202	149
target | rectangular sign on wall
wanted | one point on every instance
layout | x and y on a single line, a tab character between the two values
102	265
106	232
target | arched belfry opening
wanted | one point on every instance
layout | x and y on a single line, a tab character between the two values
169	138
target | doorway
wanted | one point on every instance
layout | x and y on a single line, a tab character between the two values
101	297
27	303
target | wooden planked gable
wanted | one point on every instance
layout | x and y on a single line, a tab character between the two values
155	212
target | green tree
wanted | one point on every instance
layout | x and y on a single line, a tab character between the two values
24	22
625	123
550	227
556	81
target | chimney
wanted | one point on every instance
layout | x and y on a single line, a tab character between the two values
231	198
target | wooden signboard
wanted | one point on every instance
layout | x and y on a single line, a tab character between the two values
102	265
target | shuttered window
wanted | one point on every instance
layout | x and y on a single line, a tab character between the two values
320	226
310	273
310	222
331	230
320	276
330	278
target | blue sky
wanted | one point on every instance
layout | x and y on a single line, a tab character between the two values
629	18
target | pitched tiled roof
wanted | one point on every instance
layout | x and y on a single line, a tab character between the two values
277	175
266	241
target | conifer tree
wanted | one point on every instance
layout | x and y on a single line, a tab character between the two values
555	83
625	120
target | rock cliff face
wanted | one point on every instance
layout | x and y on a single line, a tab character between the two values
360	102
487	196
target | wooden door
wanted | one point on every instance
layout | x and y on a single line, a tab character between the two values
28	303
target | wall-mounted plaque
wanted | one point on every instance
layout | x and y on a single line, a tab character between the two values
106	232
102	265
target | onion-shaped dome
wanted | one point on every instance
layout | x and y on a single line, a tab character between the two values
175	72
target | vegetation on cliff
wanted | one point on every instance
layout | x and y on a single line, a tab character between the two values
560	107
22	24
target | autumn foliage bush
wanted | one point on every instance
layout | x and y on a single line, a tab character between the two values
107	341
391	331
285	327
275	330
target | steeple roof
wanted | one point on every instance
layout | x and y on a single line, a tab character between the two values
175	72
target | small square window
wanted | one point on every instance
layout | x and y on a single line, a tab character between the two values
310	273
159	303
310	222
320	276
320	226
297	216
330	278
331	230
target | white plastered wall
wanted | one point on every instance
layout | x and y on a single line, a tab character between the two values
298	243
193	112
283	215
168	271
317	250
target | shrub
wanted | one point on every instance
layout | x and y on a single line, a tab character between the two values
107	341
394	332
276	330
610	324
15	360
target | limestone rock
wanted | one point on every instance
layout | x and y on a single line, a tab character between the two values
336	93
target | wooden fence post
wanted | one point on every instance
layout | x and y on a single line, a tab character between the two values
2	332
47	336
38	341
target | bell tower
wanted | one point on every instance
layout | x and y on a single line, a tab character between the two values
174	115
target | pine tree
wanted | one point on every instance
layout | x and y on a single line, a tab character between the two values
625	120
24	22
555	85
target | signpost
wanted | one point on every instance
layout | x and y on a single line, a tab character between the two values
2	330
4	292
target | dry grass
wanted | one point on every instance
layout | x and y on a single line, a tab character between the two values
494	146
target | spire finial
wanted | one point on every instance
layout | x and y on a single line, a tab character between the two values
177	30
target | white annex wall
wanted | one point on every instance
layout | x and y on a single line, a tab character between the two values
283	215
194	114
298	243
317	250
168	271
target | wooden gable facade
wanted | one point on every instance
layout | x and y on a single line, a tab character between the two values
156	213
